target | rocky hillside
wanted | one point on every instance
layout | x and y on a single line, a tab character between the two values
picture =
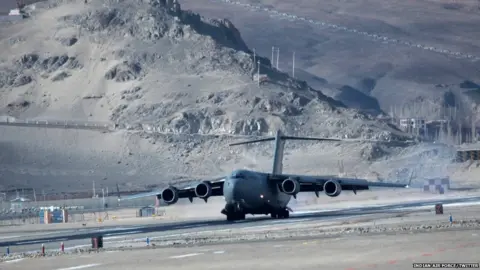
150	63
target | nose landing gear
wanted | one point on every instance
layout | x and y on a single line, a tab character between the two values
235	216
283	213
233	212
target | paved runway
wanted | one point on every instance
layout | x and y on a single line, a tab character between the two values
395	252
81	237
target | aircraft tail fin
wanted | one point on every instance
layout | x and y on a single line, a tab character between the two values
280	147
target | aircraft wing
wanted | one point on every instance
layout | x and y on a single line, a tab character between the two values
140	195
317	183
183	192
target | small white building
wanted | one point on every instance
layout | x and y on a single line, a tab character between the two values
16	204
15	12
412	123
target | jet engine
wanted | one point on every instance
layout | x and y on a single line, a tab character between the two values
290	186
332	188
170	195
203	190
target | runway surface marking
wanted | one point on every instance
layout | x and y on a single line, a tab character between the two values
112	235
117	229
290	221
219	252
185	255
189	226
8	237
422	254
403	205
30	242
36	234
80	266
75	247
15	260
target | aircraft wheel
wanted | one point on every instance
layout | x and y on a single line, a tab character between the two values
283	214
274	215
235	216
230	217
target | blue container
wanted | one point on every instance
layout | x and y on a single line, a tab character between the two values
41	215
57	216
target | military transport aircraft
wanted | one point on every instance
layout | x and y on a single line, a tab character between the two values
251	192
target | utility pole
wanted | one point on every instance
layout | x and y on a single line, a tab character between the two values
254	56
107	191
293	69
103	199
35	196
93	188
271	59
258	73
278	56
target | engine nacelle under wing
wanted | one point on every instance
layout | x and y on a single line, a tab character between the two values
170	195
203	190
290	186
332	188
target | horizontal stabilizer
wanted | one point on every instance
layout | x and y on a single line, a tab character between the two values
309	139
254	141
283	138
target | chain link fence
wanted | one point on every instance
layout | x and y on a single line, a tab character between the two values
70	124
25	209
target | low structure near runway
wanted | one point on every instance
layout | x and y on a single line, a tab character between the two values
472	153
436	185
56	216
146	212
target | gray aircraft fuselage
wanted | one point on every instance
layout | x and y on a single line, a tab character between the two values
253	192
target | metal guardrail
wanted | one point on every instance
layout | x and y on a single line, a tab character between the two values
68	124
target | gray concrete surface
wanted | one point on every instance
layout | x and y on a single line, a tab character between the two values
352	252
168	233
37	233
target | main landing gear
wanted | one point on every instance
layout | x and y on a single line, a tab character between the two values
280	214
233	212
235	216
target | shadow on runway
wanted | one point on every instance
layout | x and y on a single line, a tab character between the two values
324	215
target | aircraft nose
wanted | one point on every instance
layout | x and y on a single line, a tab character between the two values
234	189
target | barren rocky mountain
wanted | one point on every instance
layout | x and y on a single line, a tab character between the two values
412	57
150	64
145	62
